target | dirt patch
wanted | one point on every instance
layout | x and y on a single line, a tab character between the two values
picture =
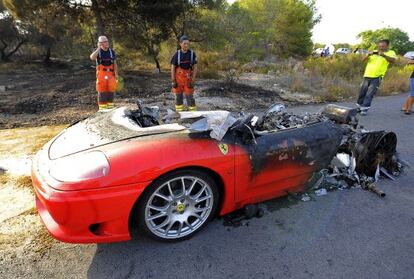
236	96
24	236
24	182
19	143
16	196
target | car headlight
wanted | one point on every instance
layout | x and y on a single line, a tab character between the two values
80	167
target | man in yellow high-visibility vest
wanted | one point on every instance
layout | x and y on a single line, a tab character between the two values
377	65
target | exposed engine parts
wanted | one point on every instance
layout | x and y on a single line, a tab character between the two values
362	156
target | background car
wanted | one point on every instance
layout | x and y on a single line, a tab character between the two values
317	52
361	51
409	55
343	50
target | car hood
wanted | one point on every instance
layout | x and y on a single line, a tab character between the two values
100	129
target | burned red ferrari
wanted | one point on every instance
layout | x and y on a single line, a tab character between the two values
172	176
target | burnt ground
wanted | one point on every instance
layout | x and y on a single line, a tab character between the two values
63	95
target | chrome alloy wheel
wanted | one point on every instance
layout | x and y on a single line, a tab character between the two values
179	207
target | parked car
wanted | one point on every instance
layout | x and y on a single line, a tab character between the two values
343	50
409	55
361	51
317	52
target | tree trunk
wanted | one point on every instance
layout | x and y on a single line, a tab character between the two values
157	63
96	10
46	60
4	57
93	43
154	55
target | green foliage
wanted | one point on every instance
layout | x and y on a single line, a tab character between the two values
144	25
264	27
47	22
11	38
396	80
318	45
399	40
345	66
245	30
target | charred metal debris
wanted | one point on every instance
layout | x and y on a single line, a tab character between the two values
362	156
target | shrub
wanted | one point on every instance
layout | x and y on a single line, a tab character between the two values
396	80
339	77
209	73
343	66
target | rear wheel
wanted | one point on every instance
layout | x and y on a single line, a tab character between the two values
178	205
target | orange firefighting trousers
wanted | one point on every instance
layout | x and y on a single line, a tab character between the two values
184	85
106	86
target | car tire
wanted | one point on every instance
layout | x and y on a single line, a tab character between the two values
177	205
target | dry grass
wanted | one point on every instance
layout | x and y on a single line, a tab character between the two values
396	81
4	178
24	182
43	241
24	234
337	78
25	141
18	181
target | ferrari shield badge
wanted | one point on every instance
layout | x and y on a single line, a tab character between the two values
224	148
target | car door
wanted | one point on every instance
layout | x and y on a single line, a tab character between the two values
282	161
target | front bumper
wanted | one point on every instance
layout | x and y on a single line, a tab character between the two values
87	216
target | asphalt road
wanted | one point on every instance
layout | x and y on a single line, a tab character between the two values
345	234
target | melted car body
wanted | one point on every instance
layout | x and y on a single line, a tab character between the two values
89	178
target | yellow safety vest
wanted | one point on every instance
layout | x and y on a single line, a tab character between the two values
377	65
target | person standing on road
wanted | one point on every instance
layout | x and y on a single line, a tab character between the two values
377	65
106	73
410	99
183	74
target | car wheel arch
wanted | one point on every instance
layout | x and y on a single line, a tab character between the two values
211	173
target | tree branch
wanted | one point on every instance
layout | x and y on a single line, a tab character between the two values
16	48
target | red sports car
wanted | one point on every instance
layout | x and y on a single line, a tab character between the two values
100	174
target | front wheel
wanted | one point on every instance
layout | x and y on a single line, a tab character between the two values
178	205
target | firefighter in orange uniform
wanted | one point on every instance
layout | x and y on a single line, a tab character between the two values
106	73
183	73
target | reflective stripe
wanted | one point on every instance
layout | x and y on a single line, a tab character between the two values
191	57
102	106
192	108
179	107
111	55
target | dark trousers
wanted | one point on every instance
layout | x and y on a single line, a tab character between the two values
369	88
179	99
106	100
